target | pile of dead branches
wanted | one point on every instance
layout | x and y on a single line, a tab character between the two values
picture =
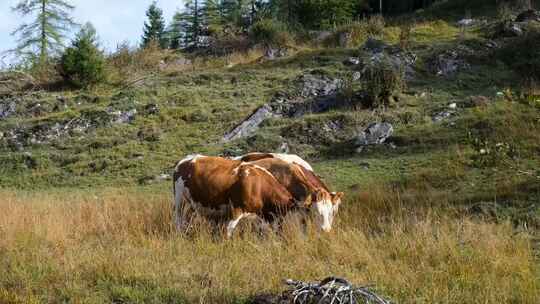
331	290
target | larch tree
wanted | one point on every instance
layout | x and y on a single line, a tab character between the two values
44	35
154	28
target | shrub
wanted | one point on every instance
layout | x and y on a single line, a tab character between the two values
523	54
375	25
270	33
405	35
381	82
356	31
83	64
504	11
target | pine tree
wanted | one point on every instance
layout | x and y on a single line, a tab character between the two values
154	29
233	11
193	23
213	14
177	30
45	35
83	63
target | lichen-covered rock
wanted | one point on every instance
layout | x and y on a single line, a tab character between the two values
447	63
312	85
374	134
250	125
7	108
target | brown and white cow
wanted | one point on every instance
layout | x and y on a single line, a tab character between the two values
301	182
295	159
219	183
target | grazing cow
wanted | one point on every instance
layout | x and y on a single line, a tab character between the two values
302	183
305	166
218	183
290	158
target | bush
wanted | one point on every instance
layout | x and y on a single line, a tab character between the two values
405	35
375	25
523	54
355	30
381	82
83	64
270	33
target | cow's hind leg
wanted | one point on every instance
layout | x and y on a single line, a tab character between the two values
179	204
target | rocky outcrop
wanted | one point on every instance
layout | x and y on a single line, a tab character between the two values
447	63
250	124
374	134
528	15
378	52
314	93
7	108
272	53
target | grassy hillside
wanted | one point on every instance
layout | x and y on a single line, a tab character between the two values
447	211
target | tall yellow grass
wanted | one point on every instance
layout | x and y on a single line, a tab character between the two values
119	246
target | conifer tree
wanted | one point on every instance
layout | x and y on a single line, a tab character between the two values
45	34
154	28
83	63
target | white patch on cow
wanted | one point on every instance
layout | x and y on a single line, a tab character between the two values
192	157
293	159
325	213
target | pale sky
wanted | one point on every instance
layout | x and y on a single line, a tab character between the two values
115	20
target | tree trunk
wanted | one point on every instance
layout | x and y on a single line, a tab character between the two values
43	42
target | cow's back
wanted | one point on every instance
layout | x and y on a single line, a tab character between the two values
207	179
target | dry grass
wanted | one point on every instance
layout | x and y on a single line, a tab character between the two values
119	246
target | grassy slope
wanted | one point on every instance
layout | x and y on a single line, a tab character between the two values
408	213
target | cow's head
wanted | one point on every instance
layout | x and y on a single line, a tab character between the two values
325	206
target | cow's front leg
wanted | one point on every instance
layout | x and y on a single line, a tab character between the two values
237	215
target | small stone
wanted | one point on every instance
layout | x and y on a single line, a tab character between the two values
162	177
352	61
466	22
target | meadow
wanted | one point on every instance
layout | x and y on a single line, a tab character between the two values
119	246
444	212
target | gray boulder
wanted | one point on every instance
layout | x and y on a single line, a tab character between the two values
447	63
313	85
373	45
466	22
7	109
275	53
528	15
352	61
123	117
250	125
376	133
378	52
